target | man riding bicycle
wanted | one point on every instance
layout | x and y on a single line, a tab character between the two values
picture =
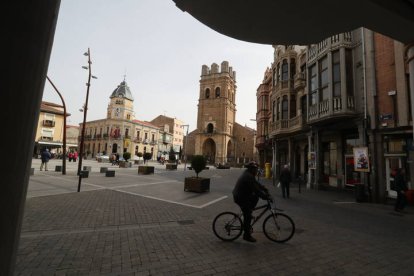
246	194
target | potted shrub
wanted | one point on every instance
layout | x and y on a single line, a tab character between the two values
139	154
146	169
197	184
171	165
125	163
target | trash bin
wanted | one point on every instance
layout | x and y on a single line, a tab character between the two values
359	192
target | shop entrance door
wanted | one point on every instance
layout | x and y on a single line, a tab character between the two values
392	163
351	176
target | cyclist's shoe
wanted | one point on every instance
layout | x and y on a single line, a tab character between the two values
249	238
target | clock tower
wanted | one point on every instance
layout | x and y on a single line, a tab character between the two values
121	105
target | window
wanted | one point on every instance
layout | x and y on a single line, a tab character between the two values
244	139
292	68
217	92
153	137
313	85
285	108
285	70
349	73
146	136
274	76
129	116
278	109
273	111
138	134
292	106
336	74
126	132
207	93
210	128
323	79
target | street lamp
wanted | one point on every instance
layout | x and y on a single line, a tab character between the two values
85	110
64	127
185	147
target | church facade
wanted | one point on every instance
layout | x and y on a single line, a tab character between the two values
218	136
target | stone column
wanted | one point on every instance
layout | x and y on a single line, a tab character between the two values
25	60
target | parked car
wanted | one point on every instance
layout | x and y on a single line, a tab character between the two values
100	157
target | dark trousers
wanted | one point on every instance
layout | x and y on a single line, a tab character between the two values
285	189
401	201
247	209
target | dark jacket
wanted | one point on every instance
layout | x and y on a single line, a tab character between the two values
400	183
45	156
285	176
248	188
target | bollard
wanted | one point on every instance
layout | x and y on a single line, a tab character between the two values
87	168
104	169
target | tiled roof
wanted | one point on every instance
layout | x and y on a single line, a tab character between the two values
122	91
145	123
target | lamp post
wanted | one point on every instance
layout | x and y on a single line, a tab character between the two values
64	126
185	147
85	110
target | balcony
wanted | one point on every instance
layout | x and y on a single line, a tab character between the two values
46	138
48	123
300	81
116	136
145	141
332	108
126	136
138	140
153	142
333	42
105	135
98	136
287	125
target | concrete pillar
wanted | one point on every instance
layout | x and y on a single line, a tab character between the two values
25	60
410	59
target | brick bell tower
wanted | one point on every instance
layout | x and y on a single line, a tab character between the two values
216	113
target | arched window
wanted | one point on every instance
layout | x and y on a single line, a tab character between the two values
217	92
285	70
207	93
292	106
210	128
292	68
285	108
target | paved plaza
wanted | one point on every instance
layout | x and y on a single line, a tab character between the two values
134	224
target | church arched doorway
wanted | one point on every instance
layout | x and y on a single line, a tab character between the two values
230	152
209	150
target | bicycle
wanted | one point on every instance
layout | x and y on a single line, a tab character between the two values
277	227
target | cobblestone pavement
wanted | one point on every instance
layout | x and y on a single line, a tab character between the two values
107	231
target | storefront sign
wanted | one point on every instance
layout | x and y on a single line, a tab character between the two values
361	161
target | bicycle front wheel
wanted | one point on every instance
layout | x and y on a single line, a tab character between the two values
278	227
227	226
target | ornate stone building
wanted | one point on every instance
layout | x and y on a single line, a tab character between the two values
218	137
120	132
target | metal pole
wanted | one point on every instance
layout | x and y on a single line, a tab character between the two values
64	126
85	110
185	148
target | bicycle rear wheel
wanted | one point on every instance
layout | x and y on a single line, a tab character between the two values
278	227
227	226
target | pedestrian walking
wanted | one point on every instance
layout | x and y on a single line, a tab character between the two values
285	178
401	189
45	158
70	156
75	156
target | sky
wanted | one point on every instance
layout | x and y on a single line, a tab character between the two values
157	48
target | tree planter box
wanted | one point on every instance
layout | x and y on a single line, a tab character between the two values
110	173
125	164
87	168
104	169
171	166
145	169
198	185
